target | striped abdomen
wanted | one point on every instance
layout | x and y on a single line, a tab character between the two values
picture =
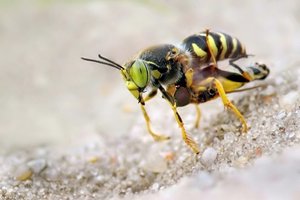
222	45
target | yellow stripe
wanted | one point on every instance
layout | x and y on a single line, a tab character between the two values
234	44
224	45
199	52
212	44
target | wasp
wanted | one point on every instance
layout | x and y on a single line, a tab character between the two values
187	74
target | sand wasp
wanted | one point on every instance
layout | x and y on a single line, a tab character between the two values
186	74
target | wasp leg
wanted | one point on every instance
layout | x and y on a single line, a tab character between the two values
232	60
198	116
210	50
155	136
245	74
150	95
187	139
229	105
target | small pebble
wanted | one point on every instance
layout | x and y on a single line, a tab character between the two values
281	115
209	156
155	163
291	135
37	166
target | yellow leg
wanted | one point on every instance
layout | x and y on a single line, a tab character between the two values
155	136
187	139
198	116
244	73
229	105
247	76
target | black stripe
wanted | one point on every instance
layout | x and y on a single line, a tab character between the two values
198	40
229	44
238	50
202	41
232	76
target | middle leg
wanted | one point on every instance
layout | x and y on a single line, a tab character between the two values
187	139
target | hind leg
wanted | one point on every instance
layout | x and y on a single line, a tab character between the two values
244	73
227	103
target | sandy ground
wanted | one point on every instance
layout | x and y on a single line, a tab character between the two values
72	130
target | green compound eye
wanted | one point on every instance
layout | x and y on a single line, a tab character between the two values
139	73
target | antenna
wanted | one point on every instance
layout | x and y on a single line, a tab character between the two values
108	62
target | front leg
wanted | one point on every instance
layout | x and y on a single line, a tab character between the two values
156	137
187	139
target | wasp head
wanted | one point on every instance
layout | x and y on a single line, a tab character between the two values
135	74
137	77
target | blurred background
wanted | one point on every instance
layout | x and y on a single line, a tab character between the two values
48	95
